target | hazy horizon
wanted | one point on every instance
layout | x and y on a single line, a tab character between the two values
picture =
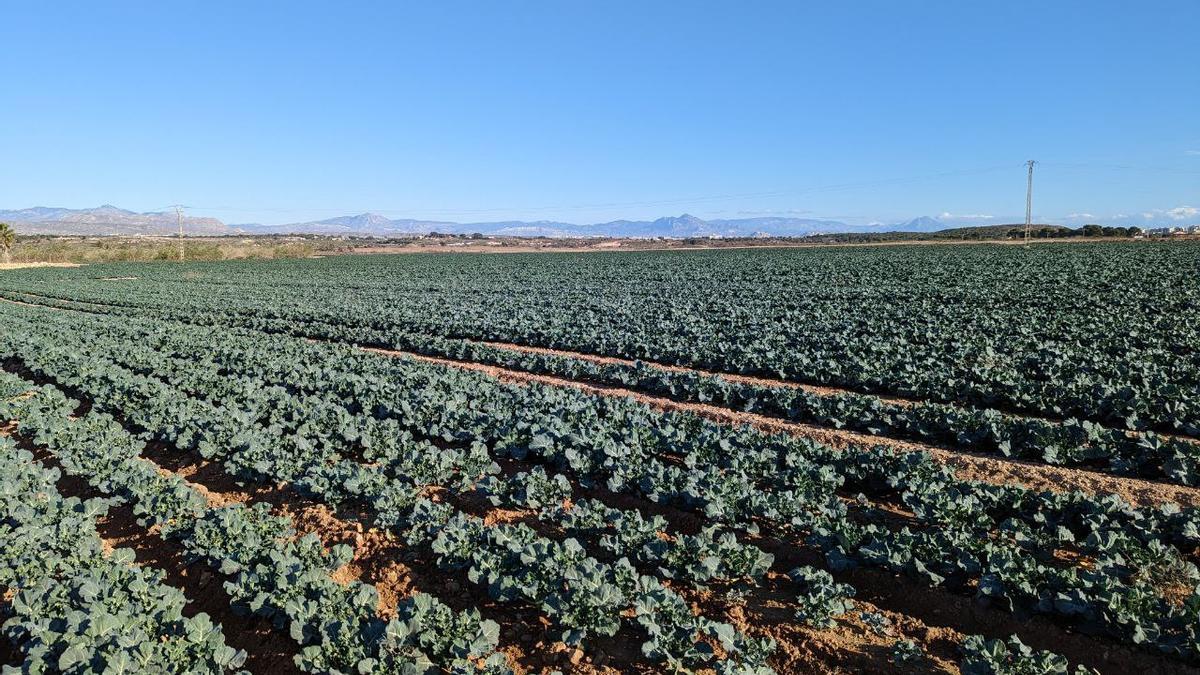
464	112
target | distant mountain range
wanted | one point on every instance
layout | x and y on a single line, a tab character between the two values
106	220
673	226
110	220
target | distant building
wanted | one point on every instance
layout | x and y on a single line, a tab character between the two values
1173	231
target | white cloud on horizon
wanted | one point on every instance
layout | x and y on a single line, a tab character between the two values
1177	213
1086	216
946	215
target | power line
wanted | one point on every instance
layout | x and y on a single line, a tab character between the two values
1106	166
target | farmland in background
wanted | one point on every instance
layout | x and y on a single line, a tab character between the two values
918	459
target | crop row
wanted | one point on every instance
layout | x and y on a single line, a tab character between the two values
109	599
1070	443
270	572
76	608
1073	442
585	596
1101	333
995	536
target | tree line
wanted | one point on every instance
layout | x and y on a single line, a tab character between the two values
1085	231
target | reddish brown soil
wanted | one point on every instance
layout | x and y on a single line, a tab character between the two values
268	651
969	466
938	608
529	644
932	617
769	382
743	379
375	552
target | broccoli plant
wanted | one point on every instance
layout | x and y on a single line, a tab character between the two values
821	598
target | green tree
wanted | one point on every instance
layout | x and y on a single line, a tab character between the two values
7	237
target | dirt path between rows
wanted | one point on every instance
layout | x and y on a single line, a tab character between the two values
776	383
381	560
26	265
968	466
934	622
30	304
751	380
820	390
267	650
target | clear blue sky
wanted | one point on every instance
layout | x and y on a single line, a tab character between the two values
589	111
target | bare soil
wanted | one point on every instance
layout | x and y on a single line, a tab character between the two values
946	612
932	617
268	651
524	245
968	466
23	265
771	382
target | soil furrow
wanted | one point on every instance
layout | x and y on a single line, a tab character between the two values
528	639
759	381
968	465
755	380
268	651
932	607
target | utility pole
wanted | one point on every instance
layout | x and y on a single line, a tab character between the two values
179	220
1029	201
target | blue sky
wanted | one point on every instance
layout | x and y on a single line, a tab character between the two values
584	112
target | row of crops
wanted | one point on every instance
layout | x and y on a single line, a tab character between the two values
1074	442
346	426
1099	332
597	520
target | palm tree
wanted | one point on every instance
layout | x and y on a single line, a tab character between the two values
7	236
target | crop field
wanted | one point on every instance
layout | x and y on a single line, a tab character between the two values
924	459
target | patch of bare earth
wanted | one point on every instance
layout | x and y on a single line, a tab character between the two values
24	265
741	379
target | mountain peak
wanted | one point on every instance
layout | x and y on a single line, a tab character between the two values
110	209
920	224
